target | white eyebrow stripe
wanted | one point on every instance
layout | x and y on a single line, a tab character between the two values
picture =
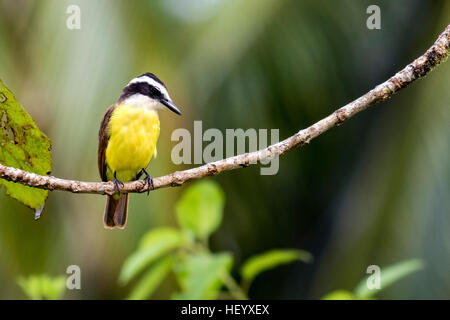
153	83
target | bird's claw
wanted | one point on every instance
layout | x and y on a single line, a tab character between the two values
148	182
117	184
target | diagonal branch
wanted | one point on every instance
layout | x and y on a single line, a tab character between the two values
420	67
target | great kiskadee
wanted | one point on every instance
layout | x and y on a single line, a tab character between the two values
127	140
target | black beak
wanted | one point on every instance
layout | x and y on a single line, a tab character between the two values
169	104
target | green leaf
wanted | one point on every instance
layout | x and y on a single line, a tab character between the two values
23	146
38	287
200	208
151	279
389	275
339	295
201	276
154	245
271	259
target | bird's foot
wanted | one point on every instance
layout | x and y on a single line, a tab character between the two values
117	184
148	181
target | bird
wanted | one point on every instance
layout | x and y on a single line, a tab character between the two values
129	131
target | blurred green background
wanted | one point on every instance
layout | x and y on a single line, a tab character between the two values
373	191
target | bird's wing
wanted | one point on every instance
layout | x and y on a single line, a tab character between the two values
103	138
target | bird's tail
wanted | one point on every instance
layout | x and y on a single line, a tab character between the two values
116	212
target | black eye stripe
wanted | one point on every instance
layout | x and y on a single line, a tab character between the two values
143	88
155	91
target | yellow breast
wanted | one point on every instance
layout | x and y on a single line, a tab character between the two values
133	132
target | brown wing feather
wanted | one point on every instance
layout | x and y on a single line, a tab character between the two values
103	138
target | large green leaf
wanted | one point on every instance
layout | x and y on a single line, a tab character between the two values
389	275
38	287
23	146
151	279
201	276
200	208
154	244
271	259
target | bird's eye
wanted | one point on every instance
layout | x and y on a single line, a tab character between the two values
155	92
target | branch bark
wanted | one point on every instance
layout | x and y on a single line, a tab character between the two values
419	68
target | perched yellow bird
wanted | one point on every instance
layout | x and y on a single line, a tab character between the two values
127	140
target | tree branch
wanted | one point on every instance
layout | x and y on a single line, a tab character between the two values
415	70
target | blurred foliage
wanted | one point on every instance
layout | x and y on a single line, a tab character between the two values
268	260
200	274
39	287
371	191
23	146
152	279
388	276
200	209
154	245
